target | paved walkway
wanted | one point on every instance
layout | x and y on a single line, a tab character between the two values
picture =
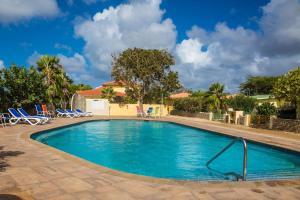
35	171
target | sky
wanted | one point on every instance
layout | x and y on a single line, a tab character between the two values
211	40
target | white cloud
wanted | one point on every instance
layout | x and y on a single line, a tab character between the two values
76	63
197	32
88	2
137	24
226	54
281	27
189	52
1	64
63	46
16	10
229	55
33	58
75	66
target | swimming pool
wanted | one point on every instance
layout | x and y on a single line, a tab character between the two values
168	150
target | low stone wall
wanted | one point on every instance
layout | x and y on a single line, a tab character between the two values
260	121
273	123
290	125
201	115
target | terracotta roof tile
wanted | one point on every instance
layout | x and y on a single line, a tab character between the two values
97	92
180	95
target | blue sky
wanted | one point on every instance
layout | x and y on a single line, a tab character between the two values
212	40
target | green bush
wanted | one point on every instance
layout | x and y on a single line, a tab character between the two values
190	104
241	102
266	109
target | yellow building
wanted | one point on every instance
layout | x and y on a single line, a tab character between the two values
267	98
92	101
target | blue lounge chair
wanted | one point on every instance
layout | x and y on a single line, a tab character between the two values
26	115
86	114
149	111
62	113
39	110
17	117
74	113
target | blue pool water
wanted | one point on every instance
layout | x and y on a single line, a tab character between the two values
168	150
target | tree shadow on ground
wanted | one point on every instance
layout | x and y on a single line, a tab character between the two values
3	158
9	197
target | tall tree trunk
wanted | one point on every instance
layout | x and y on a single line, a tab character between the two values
52	107
141	105
298	109
141	100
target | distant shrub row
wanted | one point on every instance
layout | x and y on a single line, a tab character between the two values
239	102
190	104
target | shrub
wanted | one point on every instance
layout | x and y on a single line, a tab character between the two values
190	104
266	109
241	102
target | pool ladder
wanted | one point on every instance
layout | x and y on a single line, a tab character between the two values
244	159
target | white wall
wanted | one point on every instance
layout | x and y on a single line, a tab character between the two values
97	106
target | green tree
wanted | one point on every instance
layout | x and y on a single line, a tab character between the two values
241	102
215	96
56	81
266	109
160	92
108	93
50	69
3	92
190	104
78	87
287	87
144	70
21	87
255	85
64	84
199	93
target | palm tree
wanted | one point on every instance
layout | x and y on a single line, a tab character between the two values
215	96
53	76
108	93
64	88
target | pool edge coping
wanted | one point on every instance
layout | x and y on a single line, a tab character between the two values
102	169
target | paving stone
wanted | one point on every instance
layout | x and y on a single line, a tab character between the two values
7	183
41	172
64	197
72	184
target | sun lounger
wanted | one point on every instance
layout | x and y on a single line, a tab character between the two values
17	117
139	112
86	114
156	112
74	113
62	113
39	110
47	112
150	112
26	115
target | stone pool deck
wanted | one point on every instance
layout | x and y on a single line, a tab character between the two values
32	170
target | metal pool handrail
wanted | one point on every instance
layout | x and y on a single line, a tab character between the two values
227	147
